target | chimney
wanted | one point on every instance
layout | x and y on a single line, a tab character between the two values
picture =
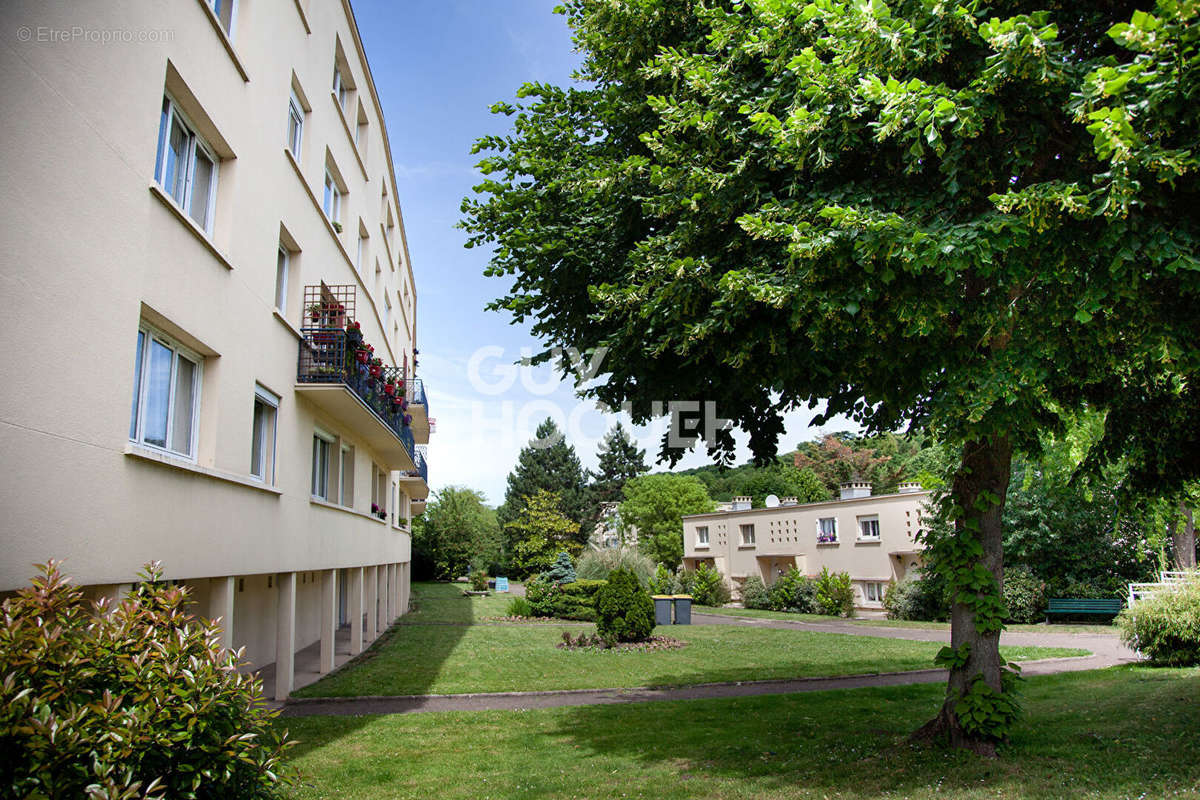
909	488
855	490
788	501
741	504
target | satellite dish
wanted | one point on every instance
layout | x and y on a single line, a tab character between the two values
771	502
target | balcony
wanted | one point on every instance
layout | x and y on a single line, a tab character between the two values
337	374
418	407
416	481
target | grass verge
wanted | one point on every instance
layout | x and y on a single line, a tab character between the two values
897	623
1126	732
441	658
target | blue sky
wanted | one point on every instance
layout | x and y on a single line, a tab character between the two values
438	66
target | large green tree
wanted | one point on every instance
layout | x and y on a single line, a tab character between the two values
547	463
620	460
655	505
540	532
457	531
962	217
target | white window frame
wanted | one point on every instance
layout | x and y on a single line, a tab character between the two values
283	266
330	442
296	114
346	466
266	465
868	521
142	391
170	114
821	532
701	536
215	6
362	251
878	590
743	529
340	90
332	200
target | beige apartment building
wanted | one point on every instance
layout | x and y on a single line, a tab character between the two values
201	237
870	537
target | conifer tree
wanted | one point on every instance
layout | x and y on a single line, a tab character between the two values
549	464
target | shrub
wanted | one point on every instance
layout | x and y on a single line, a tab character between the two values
663	581
597	564
624	610
1024	595
792	591
920	596
562	570
708	588
754	593
684	582
519	607
567	601
1165	627
134	701
835	593
479	580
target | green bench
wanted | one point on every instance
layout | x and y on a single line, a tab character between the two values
1075	606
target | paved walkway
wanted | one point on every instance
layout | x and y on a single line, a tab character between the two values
1106	651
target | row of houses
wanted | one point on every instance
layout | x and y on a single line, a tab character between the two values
873	538
202	237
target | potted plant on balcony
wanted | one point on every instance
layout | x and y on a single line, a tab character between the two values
407	420
376	367
314	311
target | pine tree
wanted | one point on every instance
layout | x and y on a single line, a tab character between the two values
620	461
549	464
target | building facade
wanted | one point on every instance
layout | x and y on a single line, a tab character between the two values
201	235
872	538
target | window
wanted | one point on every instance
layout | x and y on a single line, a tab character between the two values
295	129
362	251
360	132
166	394
333	199
340	89
262	437
747	534
225	11
322	444
186	166
873	592
346	490
282	263
702	536
827	530
868	527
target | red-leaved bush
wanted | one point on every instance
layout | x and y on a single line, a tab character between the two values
137	701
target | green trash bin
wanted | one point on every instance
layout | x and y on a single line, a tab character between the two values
662	609
683	609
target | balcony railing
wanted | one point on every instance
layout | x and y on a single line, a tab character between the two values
414	390
422	470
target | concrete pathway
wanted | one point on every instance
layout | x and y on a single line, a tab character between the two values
1107	651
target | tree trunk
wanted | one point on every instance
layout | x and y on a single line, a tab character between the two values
1183	539
986	467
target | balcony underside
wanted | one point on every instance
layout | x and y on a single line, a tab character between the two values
420	422
343	405
414	486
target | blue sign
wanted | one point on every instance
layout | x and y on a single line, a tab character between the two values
501	584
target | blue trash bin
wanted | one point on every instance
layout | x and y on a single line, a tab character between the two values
662	609
683	609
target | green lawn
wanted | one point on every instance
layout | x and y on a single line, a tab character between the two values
1112	734
897	623
429	656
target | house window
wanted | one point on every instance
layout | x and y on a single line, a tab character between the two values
295	129
340	89
873	592
282	263
346	490
322	445
186	166
262	436
333	199
702	536
362	251
747	534
868	527
166	396
225	11
827	530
